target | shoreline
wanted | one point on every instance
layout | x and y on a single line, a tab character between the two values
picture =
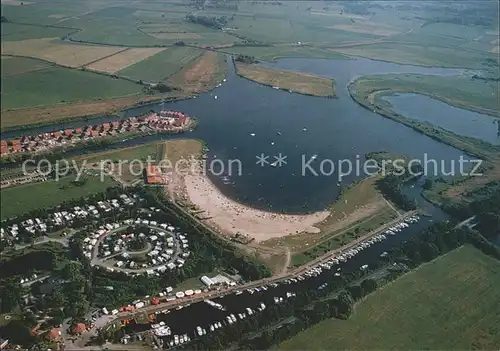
231	217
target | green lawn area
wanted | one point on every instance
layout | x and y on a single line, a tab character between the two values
130	153
420	53
20	65
57	85
450	303
14	31
165	63
25	198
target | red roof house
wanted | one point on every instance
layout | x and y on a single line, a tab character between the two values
78	328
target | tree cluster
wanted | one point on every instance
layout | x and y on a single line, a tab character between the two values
390	186
245	59
210	22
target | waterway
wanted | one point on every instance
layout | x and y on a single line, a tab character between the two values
456	120
296	126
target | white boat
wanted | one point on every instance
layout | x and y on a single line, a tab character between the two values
215	97
252	134
274	164
304	129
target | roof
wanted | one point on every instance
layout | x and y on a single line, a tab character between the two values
152	171
78	328
54	333
154	180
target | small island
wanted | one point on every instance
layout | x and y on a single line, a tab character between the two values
296	82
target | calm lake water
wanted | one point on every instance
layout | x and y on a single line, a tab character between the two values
298	127
456	120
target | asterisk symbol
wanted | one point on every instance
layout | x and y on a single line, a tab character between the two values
280	160
262	160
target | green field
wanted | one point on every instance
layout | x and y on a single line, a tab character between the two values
131	153
112	25
12	66
160	66
434	56
448	304
277	52
25	198
14	31
58	85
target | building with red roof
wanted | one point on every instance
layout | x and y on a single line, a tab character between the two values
54	334
153	175
79	328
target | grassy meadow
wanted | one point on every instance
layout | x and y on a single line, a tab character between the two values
59	85
140	152
450	303
28	197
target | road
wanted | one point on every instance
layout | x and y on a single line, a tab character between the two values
298	271
45	239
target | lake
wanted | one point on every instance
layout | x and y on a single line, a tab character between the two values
298	127
456	120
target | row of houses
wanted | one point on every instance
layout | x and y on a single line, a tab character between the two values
163	121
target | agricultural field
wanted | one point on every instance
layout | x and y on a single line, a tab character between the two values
53	50
112	25
270	53
15	31
202	74
19	65
122	59
432	56
48	12
18	200
450	303
297	82
162	65
460	91
59	85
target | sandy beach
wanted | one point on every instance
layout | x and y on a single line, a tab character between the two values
231	217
